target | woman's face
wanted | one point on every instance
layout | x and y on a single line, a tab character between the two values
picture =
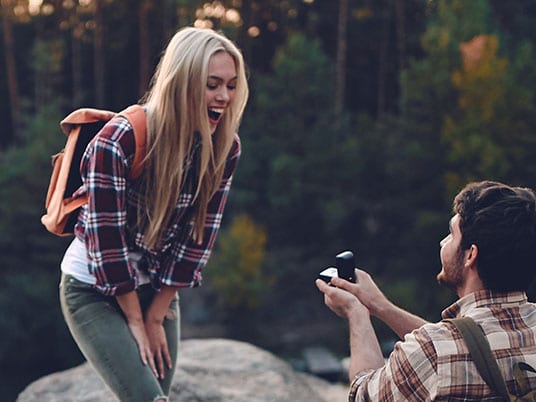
221	86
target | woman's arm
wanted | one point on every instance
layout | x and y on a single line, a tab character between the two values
154	320
103	225
130	305
148	331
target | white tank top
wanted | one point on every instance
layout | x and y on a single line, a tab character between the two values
74	263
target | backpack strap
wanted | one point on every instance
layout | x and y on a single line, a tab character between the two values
84	116
522	379
135	114
480	351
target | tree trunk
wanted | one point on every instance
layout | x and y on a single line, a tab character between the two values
145	51
383	59
99	58
76	64
11	70
400	7
340	74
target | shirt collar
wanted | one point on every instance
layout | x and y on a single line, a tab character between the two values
483	298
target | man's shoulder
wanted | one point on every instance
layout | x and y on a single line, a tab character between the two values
435	331
433	339
502	326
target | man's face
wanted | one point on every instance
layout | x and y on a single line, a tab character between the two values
452	256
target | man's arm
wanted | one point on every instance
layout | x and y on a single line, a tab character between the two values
400	321
410	373
365	352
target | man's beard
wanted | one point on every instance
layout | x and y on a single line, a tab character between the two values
451	274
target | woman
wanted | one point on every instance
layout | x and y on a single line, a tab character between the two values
138	241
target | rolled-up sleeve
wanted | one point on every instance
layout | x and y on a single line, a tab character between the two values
186	259
410	373
105	169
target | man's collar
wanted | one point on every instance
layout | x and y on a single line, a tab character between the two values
483	298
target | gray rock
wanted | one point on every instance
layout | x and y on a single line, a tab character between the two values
209	370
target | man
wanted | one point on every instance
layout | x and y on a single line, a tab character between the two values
488	260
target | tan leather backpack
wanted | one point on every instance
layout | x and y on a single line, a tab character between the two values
80	127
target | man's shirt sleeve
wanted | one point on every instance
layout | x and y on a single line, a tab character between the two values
410	373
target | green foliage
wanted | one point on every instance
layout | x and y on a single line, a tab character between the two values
289	140
29	306
474	119
426	85
452	22
379	186
474	152
237	267
319	189
299	83
30	312
490	133
24	175
465	121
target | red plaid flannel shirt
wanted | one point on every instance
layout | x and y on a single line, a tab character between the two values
106	223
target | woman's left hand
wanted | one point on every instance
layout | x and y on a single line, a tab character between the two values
158	344
154	319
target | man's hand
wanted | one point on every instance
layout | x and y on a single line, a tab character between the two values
365	352
366	291
342	302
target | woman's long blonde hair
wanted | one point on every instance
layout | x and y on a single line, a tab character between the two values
177	112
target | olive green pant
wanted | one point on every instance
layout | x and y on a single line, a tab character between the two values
100	330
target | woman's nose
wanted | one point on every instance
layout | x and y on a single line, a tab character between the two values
223	95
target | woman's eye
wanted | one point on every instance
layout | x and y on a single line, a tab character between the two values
212	86
231	87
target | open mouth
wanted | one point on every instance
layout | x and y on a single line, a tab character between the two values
215	113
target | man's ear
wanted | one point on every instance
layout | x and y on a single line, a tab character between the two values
471	255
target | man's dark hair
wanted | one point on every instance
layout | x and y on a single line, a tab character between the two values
501	221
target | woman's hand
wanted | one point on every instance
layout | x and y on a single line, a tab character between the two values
138	331
154	319
158	345
130	305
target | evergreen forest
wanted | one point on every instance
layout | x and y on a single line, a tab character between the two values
365	118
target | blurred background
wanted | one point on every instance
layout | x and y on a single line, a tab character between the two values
365	118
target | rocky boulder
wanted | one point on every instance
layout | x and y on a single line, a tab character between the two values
209	370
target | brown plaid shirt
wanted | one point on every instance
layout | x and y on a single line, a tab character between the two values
433	362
